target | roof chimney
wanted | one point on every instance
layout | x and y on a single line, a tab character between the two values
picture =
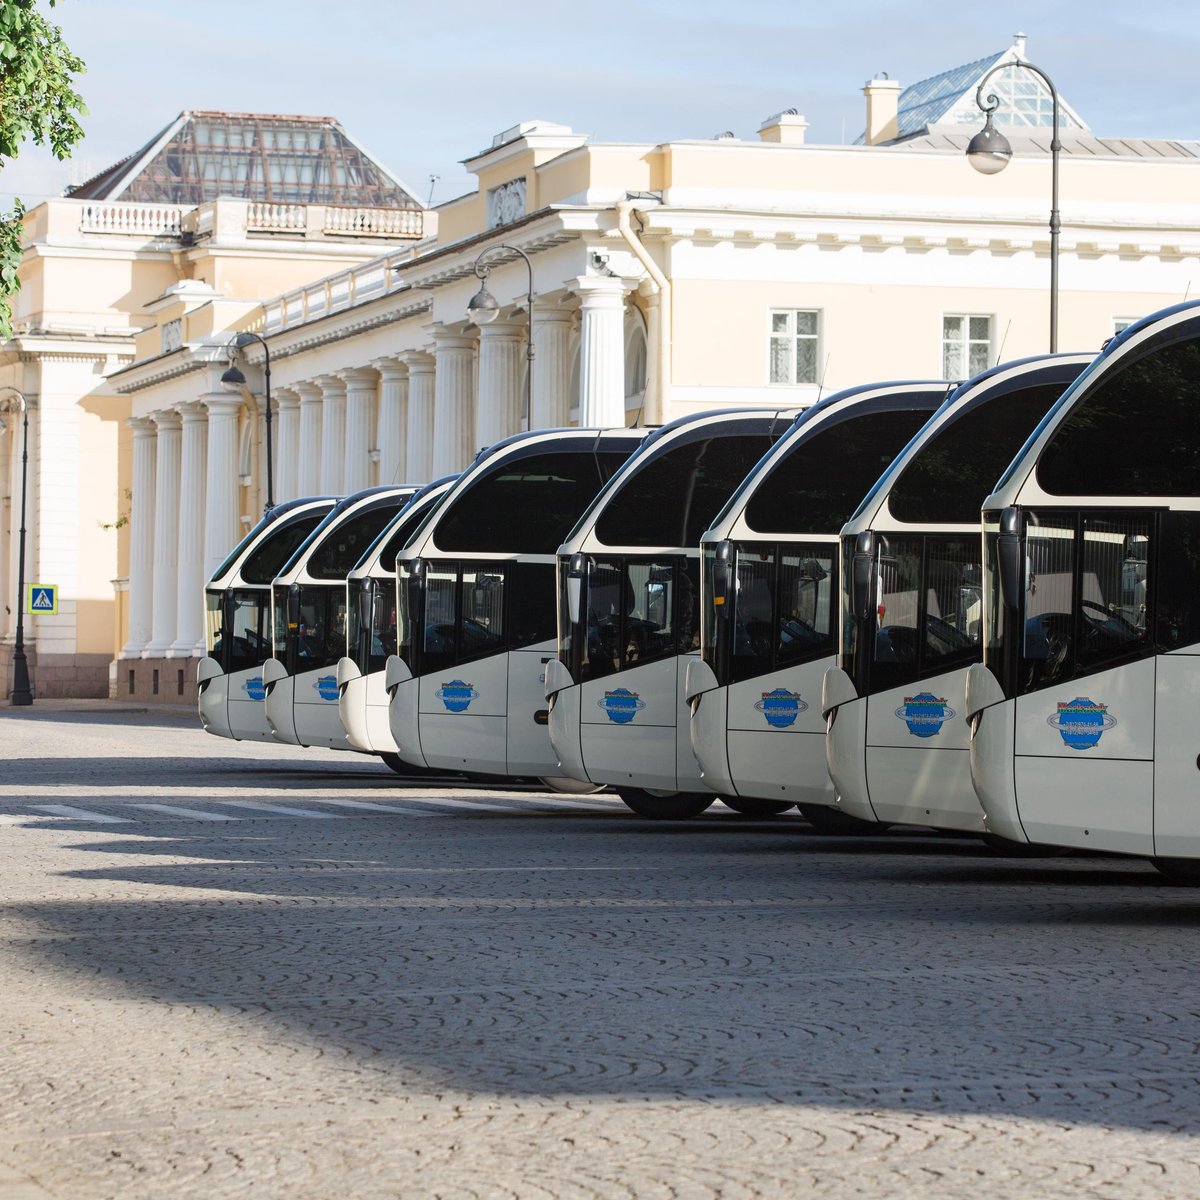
883	104
1019	45
785	127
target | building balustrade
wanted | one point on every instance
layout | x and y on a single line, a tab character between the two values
127	217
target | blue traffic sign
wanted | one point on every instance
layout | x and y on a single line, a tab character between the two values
41	599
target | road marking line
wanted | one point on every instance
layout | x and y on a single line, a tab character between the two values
280	809
365	805
81	814
192	814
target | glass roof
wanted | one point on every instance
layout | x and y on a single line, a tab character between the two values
251	156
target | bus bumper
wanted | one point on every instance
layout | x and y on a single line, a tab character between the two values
403	722
708	703
845	716
993	745
562	694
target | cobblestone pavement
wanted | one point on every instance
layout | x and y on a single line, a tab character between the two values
241	970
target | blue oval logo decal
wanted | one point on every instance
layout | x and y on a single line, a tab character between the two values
780	708
925	714
1081	722
622	705
456	695
326	687
253	687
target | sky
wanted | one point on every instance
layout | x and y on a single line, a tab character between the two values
422	86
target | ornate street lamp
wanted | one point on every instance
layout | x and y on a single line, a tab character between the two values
989	151
22	694
483	308
234	381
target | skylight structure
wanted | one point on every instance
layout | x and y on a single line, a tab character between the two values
251	156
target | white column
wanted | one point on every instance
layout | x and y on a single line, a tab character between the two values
501	359
287	444
141	537
393	420
422	378
453	423
189	612
222	523
602	351
333	434
552	399
166	532
308	452
360	400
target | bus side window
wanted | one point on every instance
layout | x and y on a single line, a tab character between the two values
1174	594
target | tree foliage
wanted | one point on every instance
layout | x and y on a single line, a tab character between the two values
38	101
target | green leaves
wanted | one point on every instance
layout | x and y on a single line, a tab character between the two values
38	100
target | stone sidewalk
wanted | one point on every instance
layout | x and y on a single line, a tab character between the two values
393	1000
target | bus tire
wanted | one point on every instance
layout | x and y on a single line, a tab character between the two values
1007	848
1182	872
752	806
570	787
665	806
840	824
397	764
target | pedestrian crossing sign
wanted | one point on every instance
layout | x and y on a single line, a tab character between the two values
41	599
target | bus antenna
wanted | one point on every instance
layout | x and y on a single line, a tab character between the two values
1000	352
824	375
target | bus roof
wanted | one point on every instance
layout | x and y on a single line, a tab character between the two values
935	474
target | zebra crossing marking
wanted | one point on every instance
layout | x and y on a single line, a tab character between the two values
191	814
279	809
81	814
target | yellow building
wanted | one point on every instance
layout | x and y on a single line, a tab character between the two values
664	279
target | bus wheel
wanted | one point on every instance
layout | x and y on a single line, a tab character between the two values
397	764
751	806
570	787
665	806
1184	872
831	820
1007	848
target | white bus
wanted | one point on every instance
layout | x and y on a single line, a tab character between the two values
770	597
308	619
237	604
897	742
629	610
476	619
1085	710
371	633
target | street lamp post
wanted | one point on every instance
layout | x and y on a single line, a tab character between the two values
235	381
483	308
22	693
989	151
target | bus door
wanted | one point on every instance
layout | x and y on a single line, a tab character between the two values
463	689
1085	718
927	632
631	695
531	637
781	644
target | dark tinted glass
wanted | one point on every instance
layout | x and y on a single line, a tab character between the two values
675	495
816	487
280	544
952	475
321	636
398	538
1176	612
348	541
525	507
1136	434
532	613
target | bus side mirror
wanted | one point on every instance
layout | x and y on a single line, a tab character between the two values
366	598
722	577
293	606
862	580
576	573
1009	556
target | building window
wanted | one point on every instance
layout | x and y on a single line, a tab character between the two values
966	345
794	337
